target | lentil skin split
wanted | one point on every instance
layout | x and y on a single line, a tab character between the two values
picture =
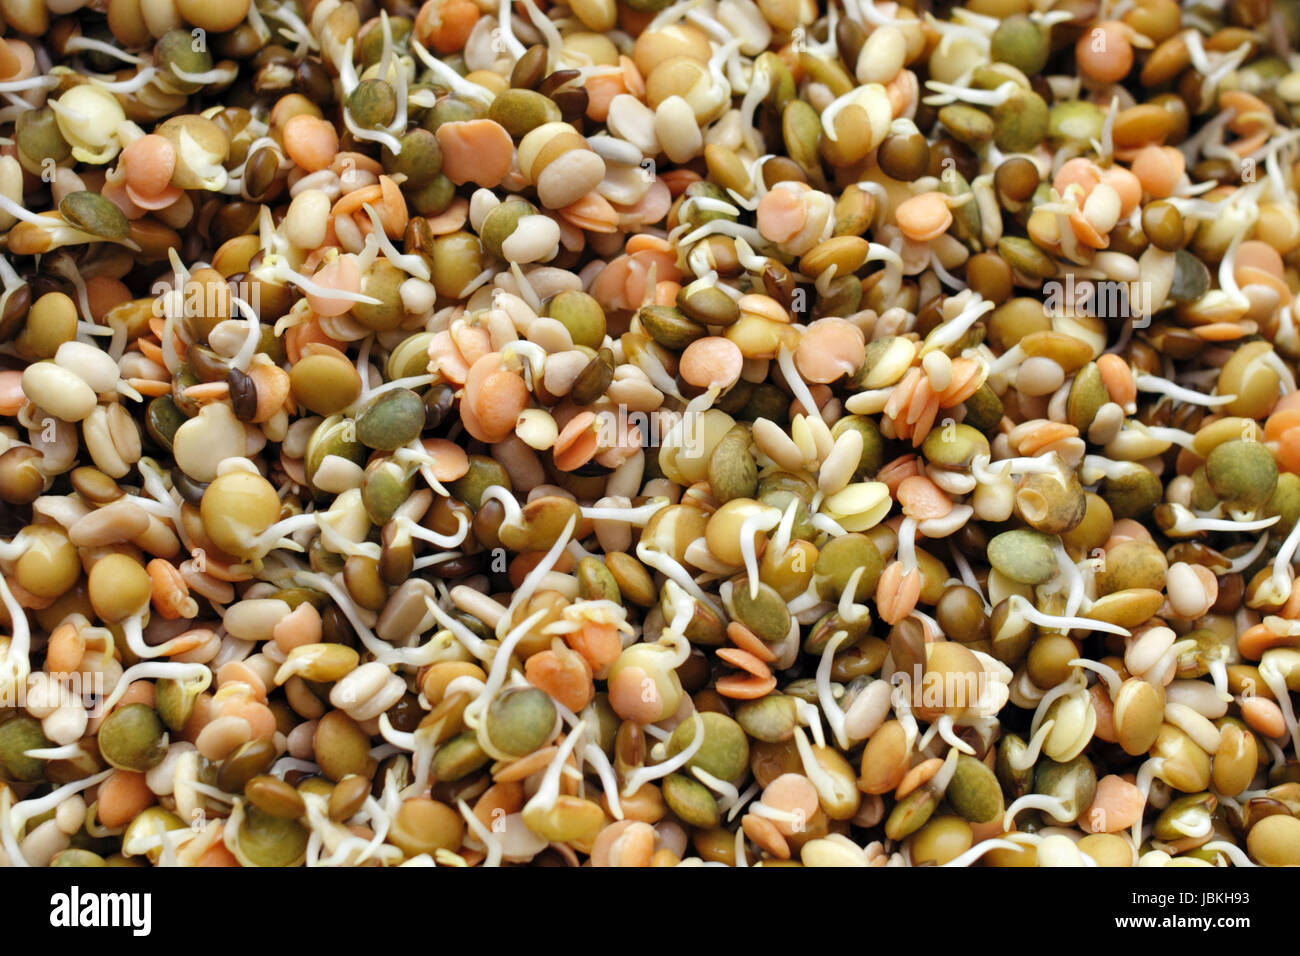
636	433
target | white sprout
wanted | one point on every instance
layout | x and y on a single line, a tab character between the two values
643	775
979	849
1276	682
380	136
968	575
471	642
16	660
382	651
280	270
132	85
500	666
944	275
419	531
835	716
1146	382
549	790
670	568
1104	671
206	77
947	94
812	769
1187	523
546	27
159	670
67	752
249	347
1022	606
1233	852
14	816
723	227
445	74
763	520
1055	806
489	839
534	577
1239	564
727	792
408	262
81	44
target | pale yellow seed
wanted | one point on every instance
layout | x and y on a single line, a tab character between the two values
255	619
882	56
58	391
537	429
938	369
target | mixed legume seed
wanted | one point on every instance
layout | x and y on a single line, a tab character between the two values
649	433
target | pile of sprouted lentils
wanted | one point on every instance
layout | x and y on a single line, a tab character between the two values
641	433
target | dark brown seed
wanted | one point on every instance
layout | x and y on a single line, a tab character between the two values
314	82
274	796
572	102
905	158
963	159
556	80
271	54
781	169
1015	180
990	276
1178	107
437	405
1128	239
206	365
593	380
189	489
15	310
778	282
240	43
260	172
347	797
243	394
529	68
456	568
233	219
418	236
849	39
21	482
335	628
274	78
396	560
244	763
1163	225
406	714
162	418
487	522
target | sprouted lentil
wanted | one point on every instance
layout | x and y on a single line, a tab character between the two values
647	433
